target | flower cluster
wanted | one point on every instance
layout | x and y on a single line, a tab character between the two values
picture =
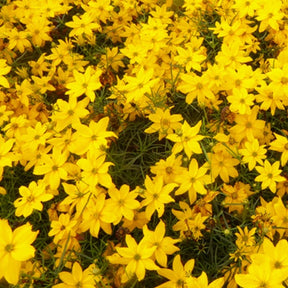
134	134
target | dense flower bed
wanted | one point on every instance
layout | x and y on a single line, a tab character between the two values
143	143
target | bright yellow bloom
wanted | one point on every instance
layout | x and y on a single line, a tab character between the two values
164	122
164	245
123	201
156	195
193	181
187	138
63	228
69	113
96	217
245	238
85	83
32	198
95	169
241	101
253	153
222	163
53	168
179	276
5	154
78	278
85	24
280	145
236	196
169	168
280	217
248	126
269	175
15	247
4	69
202	282
190	222
137	257
91	138
18	39
269	14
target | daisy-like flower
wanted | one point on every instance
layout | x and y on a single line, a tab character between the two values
269	175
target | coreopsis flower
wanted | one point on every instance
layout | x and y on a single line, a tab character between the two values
69	113
248	126
241	101
253	153
245	238
85	83
202	282
163	122
269	175
15	247
63	228
236	196
123	201
156	195
179	275
52	166
4	69
222	163
169	168
96	216
193	181
269	14
18	39
137	257
164	245
187	138
77	278
269	98
85	24
190	223
5	154
280	217
32	198
91	138
95	169
280	144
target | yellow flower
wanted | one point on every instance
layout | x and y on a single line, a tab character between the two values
15	247
253	153
280	145
222	163
92	137
4	69
123	201
179	276
31	199
137	257
202	282
53	167
241	101
18	39
164	122
63	228
193	181
69	113
5	155
85	83
245	238
78	278
164	245
95	216
269	175
95	169
85	24
156	195
187	138
169	168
